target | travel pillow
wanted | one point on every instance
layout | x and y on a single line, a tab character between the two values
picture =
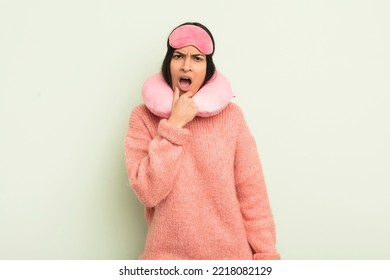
211	99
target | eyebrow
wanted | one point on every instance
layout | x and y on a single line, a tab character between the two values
193	55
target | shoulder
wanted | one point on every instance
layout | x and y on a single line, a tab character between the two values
233	112
141	111
141	116
236	118
233	108
230	119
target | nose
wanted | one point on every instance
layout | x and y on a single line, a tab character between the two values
186	65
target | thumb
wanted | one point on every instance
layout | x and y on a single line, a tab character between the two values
175	95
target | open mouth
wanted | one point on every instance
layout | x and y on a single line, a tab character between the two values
185	83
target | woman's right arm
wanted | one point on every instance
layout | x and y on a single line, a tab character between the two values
153	163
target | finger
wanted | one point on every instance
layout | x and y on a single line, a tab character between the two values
176	94
189	94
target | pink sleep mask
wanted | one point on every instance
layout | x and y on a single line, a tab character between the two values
189	34
211	99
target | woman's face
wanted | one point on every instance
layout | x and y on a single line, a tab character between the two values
188	69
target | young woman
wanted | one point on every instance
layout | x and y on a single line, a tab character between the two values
193	163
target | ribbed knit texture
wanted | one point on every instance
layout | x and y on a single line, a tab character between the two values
202	187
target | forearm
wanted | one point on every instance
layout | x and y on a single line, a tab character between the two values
253	197
257	216
152	166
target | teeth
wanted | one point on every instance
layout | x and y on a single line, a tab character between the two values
187	79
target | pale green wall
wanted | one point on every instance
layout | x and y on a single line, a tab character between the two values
311	76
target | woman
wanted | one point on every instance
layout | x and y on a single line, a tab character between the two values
193	163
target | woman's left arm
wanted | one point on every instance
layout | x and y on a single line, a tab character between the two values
252	195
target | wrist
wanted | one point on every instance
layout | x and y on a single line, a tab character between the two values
176	122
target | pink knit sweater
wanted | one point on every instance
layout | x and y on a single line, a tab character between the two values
202	186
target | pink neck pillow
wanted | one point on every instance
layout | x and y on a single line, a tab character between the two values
211	99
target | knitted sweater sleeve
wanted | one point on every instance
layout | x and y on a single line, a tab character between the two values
252	195
153	162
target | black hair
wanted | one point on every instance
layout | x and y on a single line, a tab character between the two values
210	66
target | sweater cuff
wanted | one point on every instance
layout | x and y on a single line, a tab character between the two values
266	256
172	133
